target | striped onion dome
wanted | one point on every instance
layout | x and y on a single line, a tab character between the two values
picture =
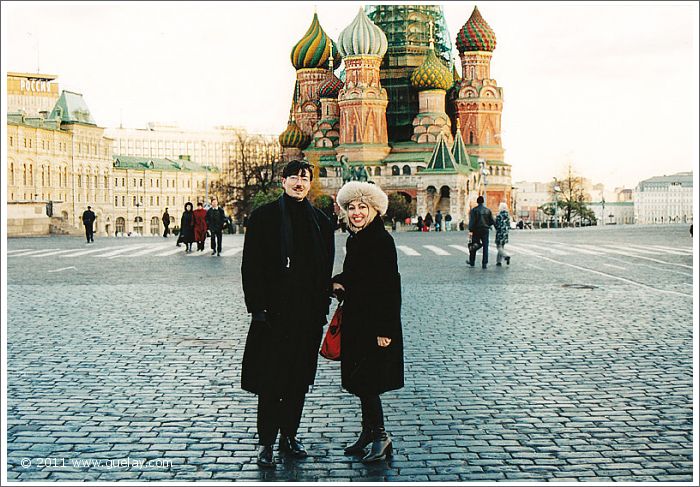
476	35
330	87
313	50
432	74
292	136
362	38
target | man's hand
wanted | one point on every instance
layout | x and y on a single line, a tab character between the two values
383	341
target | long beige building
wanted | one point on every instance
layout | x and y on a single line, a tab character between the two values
59	161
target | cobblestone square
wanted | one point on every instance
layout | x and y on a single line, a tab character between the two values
574	363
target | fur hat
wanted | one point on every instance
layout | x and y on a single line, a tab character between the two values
368	193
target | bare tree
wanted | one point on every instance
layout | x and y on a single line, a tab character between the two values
253	167
572	196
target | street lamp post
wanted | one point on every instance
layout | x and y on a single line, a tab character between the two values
602	213
557	190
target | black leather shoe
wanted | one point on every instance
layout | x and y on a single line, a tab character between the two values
508	260
265	458
381	446
484	266
292	445
359	446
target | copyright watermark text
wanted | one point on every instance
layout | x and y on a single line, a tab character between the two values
102	463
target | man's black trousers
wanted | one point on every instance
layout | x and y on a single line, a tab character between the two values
89	233
279	414
216	241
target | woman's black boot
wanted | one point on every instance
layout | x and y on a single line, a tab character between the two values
381	446
364	440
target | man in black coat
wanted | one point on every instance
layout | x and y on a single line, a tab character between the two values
166	223
88	220
287	264
216	220
480	221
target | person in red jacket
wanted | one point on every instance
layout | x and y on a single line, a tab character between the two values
200	226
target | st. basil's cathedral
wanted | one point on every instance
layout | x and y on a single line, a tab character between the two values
400	110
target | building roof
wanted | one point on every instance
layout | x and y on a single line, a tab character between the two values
36	122
476	34
442	159
459	151
432	74
157	164
71	108
362	38
684	178
314	48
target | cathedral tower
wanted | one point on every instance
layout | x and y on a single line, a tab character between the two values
432	79
479	104
363	101
309	57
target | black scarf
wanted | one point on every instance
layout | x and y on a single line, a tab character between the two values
288	232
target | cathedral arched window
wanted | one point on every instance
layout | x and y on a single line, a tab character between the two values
395	170
323	172
471	138
377	171
407	170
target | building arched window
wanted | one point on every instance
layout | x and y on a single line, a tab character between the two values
11	173
395	171
120	225
322	172
155	226
377	171
406	170
471	138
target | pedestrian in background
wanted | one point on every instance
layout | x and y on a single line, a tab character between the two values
216	220
288	256
420	223
187	227
200	226
438	221
480	221
428	221
89	220
502	229
166	223
448	222
371	339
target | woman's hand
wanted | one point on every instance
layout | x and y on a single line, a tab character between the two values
383	341
338	291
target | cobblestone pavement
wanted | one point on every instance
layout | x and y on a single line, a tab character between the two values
573	363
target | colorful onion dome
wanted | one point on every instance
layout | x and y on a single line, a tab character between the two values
292	136
313	50
432	74
476	35
330	87
362	38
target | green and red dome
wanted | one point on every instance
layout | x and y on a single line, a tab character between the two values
330	87
476	35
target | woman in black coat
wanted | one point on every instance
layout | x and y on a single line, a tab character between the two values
371	338
187	227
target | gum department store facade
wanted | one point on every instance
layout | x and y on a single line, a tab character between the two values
400	109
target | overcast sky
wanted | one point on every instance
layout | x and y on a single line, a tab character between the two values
610	87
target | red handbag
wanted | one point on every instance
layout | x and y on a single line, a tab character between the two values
330	348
